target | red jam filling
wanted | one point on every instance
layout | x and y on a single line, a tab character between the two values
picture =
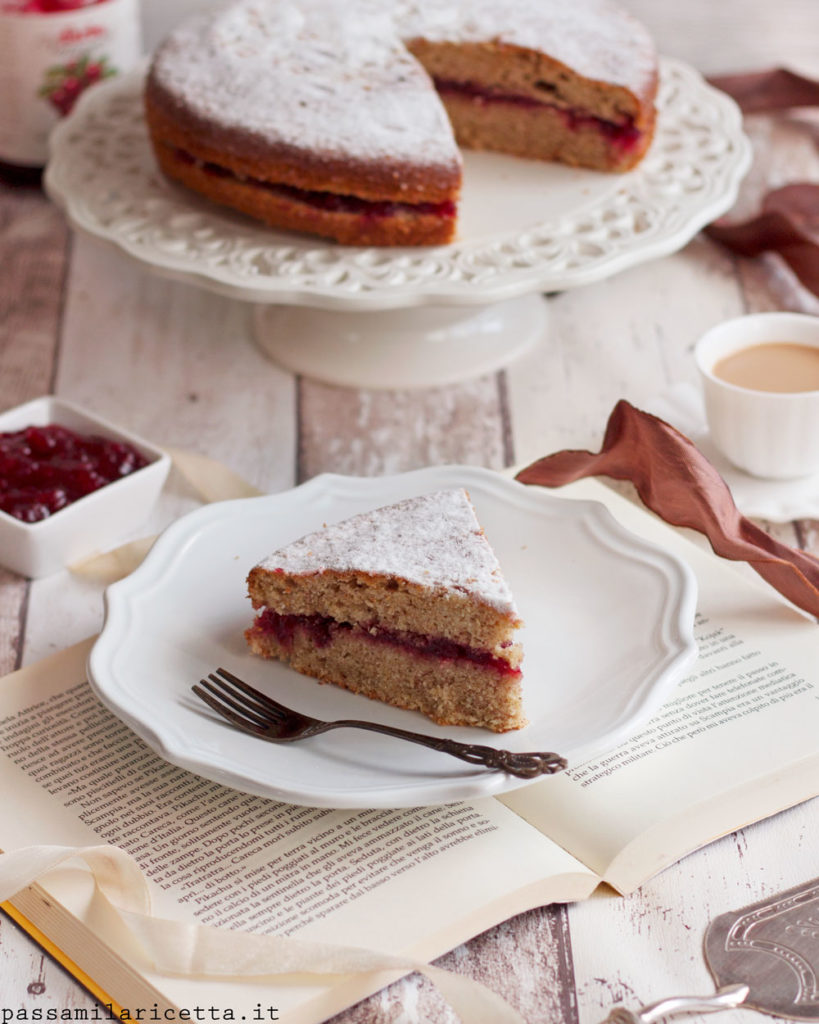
623	134
43	469
322	631
329	202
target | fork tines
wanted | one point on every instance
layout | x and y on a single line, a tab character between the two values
250	707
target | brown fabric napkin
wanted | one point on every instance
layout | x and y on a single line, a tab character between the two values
788	222
675	480
760	92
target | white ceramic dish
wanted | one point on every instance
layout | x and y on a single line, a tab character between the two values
96	521
596	665
778	501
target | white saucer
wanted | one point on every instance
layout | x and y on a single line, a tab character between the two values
779	501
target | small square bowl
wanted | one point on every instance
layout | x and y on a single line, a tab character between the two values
93	523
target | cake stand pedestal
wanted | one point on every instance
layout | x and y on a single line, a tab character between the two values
403	348
420	316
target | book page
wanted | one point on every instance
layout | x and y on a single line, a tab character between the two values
736	740
412	881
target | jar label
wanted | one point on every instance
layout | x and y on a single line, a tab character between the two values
48	59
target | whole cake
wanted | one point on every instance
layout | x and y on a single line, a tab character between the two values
405	604
342	119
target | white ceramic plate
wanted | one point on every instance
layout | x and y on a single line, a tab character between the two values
609	630
525	225
778	501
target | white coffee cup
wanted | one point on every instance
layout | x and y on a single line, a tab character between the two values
770	434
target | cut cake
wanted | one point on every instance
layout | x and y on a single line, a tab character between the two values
405	604
344	120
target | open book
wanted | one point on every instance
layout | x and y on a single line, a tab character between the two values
735	742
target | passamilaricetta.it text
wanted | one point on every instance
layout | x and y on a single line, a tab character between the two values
109	1012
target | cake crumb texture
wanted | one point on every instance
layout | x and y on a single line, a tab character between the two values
387	564
449	693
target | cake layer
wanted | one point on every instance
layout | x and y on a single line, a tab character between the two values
391	177
365	599
422	565
318	95
395	604
528	128
524	73
433	539
347	219
591	48
449	690
324	630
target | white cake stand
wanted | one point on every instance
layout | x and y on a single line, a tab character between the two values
409	317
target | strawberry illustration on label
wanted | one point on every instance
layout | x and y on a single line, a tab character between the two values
63	83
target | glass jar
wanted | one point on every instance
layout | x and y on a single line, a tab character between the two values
51	51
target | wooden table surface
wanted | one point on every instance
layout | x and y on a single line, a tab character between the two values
179	365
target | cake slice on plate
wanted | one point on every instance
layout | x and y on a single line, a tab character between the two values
405	604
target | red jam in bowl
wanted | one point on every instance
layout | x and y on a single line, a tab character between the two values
43	469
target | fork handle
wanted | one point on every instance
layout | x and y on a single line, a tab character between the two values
522	765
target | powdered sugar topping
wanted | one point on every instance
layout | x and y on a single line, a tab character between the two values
595	38
335	78
321	76
434	540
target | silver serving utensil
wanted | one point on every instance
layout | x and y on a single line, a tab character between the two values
725	999
764	957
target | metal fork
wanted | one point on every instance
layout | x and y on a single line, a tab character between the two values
255	713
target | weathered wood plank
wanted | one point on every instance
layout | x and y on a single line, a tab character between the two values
649	946
33	257
177	364
369	433
33	247
808	533
629	337
32	980
33	252
785	150
527	960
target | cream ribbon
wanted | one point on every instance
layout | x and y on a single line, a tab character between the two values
187	949
211	480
